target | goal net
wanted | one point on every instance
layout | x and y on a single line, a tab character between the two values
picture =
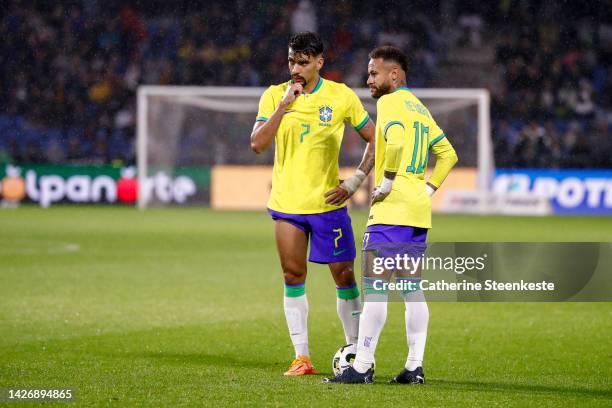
190	138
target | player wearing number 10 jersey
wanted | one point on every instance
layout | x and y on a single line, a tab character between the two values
305	118
401	209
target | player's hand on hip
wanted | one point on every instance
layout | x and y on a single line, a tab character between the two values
347	188
379	195
383	190
292	92
337	196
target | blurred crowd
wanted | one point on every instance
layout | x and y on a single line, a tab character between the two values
69	70
553	104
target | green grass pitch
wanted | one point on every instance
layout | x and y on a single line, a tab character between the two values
181	307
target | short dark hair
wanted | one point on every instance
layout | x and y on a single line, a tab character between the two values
390	53
307	43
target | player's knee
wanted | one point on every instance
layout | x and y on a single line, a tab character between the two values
292	278
345	277
293	272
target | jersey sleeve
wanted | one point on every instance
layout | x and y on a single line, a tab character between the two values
446	158
395	146
435	135
393	130
356	114
388	117
267	106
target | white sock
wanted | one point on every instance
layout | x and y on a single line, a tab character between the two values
296	313
371	324
417	318
348	312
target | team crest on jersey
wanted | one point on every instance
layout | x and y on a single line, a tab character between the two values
325	113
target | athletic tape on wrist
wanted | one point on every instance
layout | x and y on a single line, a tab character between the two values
385	186
352	183
430	190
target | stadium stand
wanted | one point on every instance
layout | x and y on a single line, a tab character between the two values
69	70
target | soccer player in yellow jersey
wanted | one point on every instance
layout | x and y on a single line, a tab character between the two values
305	118
401	208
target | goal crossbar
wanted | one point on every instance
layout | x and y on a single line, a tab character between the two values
189	94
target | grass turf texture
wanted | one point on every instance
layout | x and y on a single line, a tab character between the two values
184	307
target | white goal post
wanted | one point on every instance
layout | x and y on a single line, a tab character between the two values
161	114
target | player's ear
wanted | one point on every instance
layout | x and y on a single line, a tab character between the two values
320	62
394	74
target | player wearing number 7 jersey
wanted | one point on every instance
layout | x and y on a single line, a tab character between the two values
401	208
305	118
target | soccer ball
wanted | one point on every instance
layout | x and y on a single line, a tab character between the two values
343	358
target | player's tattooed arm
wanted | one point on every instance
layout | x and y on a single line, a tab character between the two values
368	133
367	161
263	132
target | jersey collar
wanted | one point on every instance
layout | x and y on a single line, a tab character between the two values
402	88
316	88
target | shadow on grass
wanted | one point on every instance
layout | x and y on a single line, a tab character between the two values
221	360
519	388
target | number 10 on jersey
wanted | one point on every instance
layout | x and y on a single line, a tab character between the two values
419	151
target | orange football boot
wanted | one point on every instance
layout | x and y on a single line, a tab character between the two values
301	366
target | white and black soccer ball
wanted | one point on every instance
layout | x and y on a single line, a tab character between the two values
343	358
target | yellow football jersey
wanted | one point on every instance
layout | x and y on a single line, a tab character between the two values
308	144
408	203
